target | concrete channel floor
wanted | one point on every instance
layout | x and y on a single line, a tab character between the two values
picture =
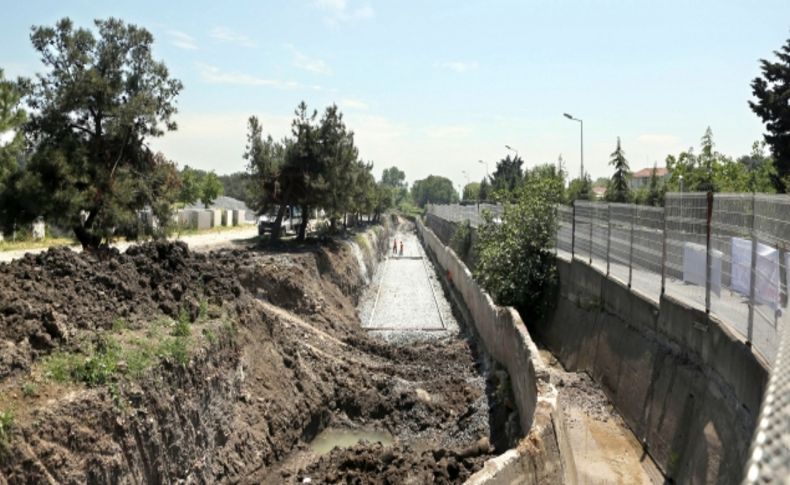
406	297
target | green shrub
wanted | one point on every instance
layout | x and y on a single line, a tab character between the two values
29	389
515	261
461	242
175	349
119	325
6	424
182	328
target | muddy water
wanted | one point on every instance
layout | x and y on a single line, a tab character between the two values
344	438
604	448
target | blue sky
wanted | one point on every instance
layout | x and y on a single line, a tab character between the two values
434	86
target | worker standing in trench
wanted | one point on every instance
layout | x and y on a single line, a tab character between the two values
394	247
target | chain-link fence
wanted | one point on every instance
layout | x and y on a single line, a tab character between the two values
726	254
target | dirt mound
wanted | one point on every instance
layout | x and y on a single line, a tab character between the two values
270	354
376	464
48	300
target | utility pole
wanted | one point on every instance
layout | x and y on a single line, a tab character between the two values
581	126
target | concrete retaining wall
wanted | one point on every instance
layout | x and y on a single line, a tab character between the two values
688	388
539	457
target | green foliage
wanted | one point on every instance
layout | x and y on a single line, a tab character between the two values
29	389
210	336
772	90
393	177
199	185
235	185
101	97
579	189
507	177
119	325
317	166
471	192
12	117
182	327
485	191
461	242
175	349
203	309
6	426
711	170
515	261
433	190
618	190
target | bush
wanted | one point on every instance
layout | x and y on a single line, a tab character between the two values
515	261
461	242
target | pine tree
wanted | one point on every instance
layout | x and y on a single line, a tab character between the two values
618	190
772	91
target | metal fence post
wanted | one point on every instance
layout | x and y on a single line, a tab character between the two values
708	255
631	247
608	235
592	223
752	277
664	251
573	231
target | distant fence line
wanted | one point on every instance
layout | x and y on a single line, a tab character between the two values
728	254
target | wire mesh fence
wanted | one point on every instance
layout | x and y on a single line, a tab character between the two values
727	254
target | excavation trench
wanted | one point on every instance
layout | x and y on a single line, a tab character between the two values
458	410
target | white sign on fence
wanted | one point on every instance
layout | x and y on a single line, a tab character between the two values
766	286
694	261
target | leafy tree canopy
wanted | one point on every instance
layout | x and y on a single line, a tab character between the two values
393	177
508	175
433	190
471	191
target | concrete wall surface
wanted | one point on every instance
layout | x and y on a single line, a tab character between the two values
539	457
688	388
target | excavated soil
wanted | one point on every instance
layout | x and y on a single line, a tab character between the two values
274	354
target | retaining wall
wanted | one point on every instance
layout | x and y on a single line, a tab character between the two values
688	388
543	456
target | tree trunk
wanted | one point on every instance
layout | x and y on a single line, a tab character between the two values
278	222
84	236
303	225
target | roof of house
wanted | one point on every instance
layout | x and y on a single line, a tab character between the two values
647	172
599	190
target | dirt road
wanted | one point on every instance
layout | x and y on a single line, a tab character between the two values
196	242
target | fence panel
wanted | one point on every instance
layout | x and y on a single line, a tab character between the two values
686	247
564	230
621	220
648	248
583	230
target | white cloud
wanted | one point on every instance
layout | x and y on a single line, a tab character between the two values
307	63
340	11
215	75
182	40
354	104
459	66
448	131
224	34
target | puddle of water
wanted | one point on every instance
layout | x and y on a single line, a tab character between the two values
343	438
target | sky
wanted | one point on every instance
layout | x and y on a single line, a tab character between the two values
432	87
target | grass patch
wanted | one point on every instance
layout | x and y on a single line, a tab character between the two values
182	328
29	389
203	309
210	336
25	244
119	325
6	425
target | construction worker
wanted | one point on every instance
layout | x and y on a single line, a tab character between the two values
401	247
395	247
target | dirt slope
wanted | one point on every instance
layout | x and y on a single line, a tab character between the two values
161	365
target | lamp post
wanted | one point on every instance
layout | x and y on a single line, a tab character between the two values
486	164
581	126
466	175
512	149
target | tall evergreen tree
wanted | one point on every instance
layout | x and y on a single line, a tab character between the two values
618	190
101	97
772	91
508	175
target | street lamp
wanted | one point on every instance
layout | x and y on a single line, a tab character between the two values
467	182
581	125
486	164
512	149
